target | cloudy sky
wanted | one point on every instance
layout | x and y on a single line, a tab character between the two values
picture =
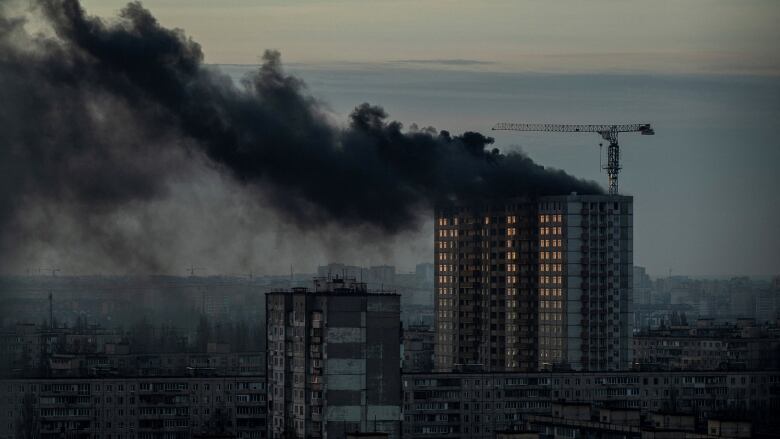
703	72
704	36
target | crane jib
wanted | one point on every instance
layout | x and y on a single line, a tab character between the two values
569	128
608	132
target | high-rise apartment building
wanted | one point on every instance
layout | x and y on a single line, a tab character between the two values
528	284
333	359
486	262
585	282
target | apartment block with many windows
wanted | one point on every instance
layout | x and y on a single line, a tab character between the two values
585	282
486	268
133	407
334	362
528	284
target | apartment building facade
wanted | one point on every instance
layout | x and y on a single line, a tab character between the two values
528	284
586	287
479	404
133	408
486	286
333	360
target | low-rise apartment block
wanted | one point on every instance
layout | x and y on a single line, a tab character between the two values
476	405
133	408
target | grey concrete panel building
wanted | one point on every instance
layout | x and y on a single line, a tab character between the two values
333	360
133	407
479	404
586	288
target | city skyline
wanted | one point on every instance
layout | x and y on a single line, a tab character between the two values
397	220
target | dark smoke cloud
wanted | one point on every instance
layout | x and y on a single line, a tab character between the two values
100	115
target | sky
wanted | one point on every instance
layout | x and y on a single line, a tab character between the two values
703	72
704	187
673	36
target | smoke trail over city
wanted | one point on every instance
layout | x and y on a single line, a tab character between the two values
97	117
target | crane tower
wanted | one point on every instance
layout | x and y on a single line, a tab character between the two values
608	132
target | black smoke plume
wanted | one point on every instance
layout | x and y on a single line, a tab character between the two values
97	115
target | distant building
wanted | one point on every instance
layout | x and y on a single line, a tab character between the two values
709	346
381	276
418	348
25	350
425	273
336	270
742	297
767	306
215	303
643	286
333	360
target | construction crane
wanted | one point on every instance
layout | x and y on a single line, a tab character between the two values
608	132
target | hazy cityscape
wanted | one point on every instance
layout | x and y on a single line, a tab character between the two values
201	240
139	332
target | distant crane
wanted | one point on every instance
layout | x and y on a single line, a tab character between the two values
53	271
608	132
193	269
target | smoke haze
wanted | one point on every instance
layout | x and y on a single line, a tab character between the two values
121	151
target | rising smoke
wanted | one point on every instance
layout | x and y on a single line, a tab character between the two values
98	118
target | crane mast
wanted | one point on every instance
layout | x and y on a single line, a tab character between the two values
606	131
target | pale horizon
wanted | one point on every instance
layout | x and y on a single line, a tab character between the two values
694	37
